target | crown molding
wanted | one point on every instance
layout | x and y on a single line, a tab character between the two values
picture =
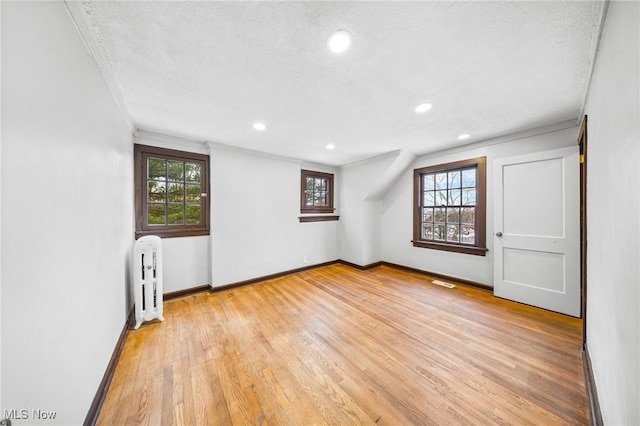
500	139
246	151
78	12
595	49
164	140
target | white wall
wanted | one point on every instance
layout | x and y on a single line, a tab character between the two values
360	226
186	263
397	213
613	320
67	204
240	246
255	225
186	260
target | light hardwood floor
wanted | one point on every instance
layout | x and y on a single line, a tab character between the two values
336	345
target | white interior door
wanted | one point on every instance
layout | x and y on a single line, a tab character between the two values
537	230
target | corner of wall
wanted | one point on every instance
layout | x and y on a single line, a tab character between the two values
380	188
76	12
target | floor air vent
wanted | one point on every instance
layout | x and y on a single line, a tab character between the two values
443	284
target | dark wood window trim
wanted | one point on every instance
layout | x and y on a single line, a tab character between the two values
141	154
479	246
324	218
304	208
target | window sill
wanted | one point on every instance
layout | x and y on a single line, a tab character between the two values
477	251
165	233
318	218
317	210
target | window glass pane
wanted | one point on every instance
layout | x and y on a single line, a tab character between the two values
176	192
428	199
192	172
469	178
441	198
427	231
427	215
468	235
441	181
439	214
310	182
193	215
309	198
176	170
193	193
453	233
427	182
320	199
176	214
156	169
156	214
321	185
468	197
454	197
155	191
454	179
468	215
439	231
453	215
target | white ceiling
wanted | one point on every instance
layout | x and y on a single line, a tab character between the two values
209	70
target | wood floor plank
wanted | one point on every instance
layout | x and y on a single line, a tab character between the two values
336	345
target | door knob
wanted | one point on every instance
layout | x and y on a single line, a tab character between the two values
499	234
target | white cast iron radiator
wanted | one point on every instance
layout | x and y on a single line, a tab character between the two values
147	278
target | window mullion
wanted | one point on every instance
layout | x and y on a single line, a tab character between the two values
166	193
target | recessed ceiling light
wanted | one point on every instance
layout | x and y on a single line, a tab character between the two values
330	146
339	41
259	126
464	136
423	108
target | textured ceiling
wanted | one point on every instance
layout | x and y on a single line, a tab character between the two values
209	70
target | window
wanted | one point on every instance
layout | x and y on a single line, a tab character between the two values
171	192
316	192
449	212
316	196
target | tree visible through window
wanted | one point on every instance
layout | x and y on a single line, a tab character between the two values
171	192
449	202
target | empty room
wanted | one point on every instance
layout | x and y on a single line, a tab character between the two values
320	212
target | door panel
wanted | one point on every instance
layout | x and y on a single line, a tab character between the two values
536	269
523	193
537	230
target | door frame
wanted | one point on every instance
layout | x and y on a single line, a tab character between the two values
582	144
